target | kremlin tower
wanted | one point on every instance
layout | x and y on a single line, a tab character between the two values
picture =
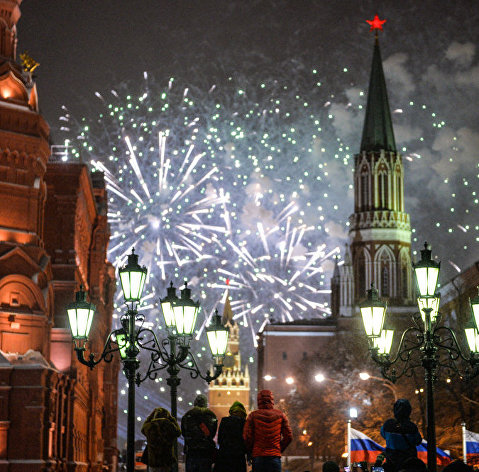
379	249
234	383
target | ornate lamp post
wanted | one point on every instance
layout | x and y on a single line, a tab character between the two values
426	344
173	353
180	317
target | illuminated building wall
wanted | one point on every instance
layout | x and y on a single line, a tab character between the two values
283	346
55	414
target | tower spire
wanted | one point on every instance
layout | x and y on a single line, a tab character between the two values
378	130
227	310
380	230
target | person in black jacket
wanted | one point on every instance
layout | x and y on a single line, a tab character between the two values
401	435
232	450
198	427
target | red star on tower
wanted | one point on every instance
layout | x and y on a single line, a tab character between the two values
376	23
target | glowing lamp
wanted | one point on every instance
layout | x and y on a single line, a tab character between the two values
373	311
132	277
217	336
167	306
384	342
429	303
472	337
427	273
185	311
80	315
123	344
475	310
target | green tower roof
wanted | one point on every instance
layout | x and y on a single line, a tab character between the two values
378	129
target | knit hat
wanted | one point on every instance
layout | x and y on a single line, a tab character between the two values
201	401
265	399
402	409
238	409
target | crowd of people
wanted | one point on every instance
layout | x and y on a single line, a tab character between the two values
261	437
258	438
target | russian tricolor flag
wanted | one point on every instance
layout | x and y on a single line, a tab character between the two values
442	458
363	448
472	446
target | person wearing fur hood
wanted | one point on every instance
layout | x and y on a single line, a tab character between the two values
161	431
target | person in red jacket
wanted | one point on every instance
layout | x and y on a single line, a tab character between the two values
266	434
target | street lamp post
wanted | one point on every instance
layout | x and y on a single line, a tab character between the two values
426	344
180	317
174	354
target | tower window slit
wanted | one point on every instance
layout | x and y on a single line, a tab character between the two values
385	282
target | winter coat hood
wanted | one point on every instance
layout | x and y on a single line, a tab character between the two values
265	399
238	409
161	430
402	409
160	413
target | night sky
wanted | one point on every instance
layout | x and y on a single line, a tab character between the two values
430	57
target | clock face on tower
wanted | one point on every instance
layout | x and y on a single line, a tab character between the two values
229	361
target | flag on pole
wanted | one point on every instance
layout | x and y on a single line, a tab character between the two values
442	457
472	446
363	448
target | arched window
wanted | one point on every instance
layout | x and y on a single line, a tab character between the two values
364	191
399	192
383	190
385	281
385	276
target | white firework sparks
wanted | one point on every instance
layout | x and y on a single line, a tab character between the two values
165	193
280	276
168	220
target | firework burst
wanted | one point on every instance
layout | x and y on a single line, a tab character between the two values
166	198
278	271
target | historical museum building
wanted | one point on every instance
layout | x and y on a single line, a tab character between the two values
55	414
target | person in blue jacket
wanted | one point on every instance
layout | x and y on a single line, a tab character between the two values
401	435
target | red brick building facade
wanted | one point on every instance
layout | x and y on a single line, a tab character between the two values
55	414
